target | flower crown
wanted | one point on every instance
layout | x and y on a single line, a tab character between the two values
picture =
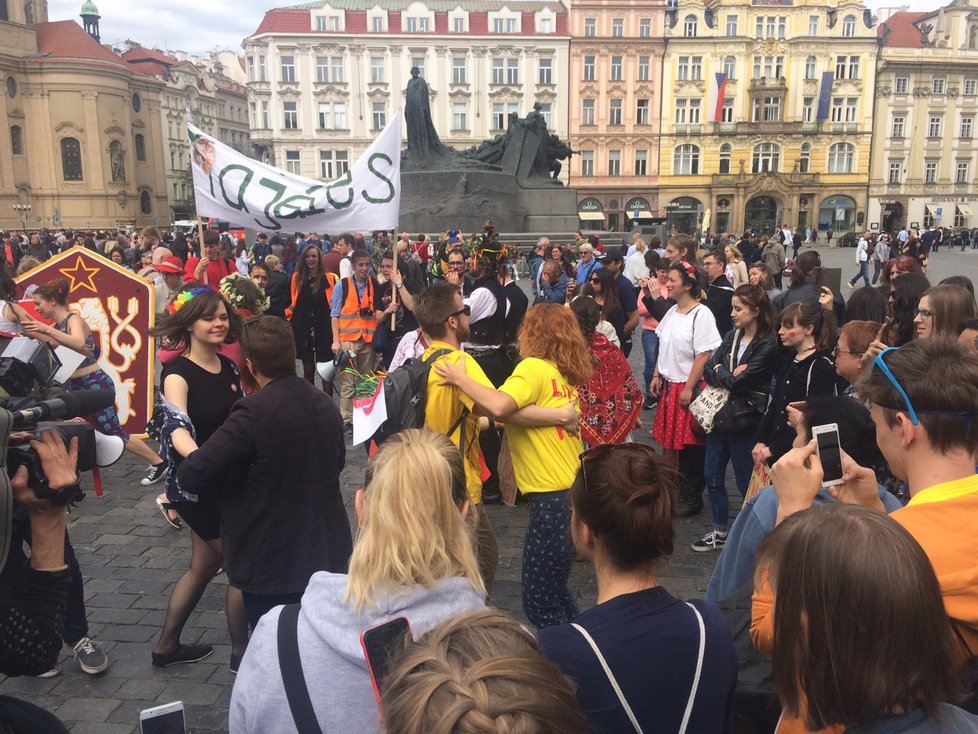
236	298
690	270
486	250
184	297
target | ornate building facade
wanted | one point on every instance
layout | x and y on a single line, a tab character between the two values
325	77
616	53
767	114
81	126
924	148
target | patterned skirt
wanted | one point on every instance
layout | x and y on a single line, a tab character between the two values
674	426
107	419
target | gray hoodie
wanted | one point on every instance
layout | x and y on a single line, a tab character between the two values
332	658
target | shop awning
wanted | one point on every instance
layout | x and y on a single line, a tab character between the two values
964	209
642	214
591	216
930	210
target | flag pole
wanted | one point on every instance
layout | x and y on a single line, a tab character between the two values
394	287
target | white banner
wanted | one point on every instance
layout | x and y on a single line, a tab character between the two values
234	188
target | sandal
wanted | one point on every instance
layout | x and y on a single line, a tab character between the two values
166	509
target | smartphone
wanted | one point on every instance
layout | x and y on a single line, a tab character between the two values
381	645
165	719
798	405
829	453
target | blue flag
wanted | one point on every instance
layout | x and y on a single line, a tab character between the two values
825	95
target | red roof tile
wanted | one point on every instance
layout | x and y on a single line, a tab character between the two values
903	32
141	53
66	40
285	21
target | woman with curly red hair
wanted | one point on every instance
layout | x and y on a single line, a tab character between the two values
545	459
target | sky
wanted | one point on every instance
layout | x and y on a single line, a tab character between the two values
195	25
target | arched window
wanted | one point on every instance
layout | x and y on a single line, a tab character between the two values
730	67
117	162
805	161
71	161
810	67
841	157
145	203
686	160
849	26
16	140
689	26
767	158
725	151
140	145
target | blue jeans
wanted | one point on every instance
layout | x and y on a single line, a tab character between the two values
547	557
650	345
722	448
863	273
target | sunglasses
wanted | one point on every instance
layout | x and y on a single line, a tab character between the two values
596	452
467	310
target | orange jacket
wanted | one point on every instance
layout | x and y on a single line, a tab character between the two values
331	279
353	326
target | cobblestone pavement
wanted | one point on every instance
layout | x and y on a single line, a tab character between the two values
130	559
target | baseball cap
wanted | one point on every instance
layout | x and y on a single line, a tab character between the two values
172	264
614	255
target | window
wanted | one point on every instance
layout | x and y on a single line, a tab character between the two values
682	111
261	68
840	67
849	26
590	25
852	109
614	162
767	109
682	70
782	26
377	24
642	112
332	116
645	27
769	67
930	171
139	143
512	71
726	113
897	126
499	71
545	74
145	203
333	164
378	115
265	115
500	112
725	151
731	25
934	126
460	117
967	124
458	25
290	114
841	157
959	218
458	71
962	172
810	63
251	68
696	67
901	85
807	109
589	68
938	85
694	111
418	61
853	67
641	162
686	160
812	25
587	112
293	161
288	68
643	68
616	68
504	25
837	109
730	67
16	140
587	163
689	26
320	23
419	25
322	69
805	159
546	25
617	27
336	69
376	70
614	115
894	173
766	159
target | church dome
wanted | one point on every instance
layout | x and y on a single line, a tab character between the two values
88	8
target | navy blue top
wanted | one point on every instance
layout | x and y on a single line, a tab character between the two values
650	640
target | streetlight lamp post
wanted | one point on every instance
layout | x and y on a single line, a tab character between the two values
23	210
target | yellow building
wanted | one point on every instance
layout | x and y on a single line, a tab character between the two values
767	112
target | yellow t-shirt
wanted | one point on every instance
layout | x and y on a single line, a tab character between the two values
443	406
544	459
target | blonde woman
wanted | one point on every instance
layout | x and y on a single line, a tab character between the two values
405	563
635	267
736	267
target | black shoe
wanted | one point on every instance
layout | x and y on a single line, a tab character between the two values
155	473
184	654
348	430
650	402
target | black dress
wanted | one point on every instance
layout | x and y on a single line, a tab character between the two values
277	291
311	325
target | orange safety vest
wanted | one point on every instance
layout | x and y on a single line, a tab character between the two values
353	326
331	279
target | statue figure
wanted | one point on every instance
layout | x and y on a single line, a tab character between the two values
423	141
556	151
118	162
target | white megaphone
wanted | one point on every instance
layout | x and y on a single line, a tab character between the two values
108	449
327	370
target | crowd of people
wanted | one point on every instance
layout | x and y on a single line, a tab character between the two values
844	606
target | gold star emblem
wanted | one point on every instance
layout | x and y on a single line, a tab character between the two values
80	276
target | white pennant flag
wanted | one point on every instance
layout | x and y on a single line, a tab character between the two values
232	187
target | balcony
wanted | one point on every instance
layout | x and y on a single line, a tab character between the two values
688	129
766	82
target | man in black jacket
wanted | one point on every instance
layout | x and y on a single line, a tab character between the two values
282	515
719	296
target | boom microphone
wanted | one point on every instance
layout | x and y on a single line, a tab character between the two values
70	405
